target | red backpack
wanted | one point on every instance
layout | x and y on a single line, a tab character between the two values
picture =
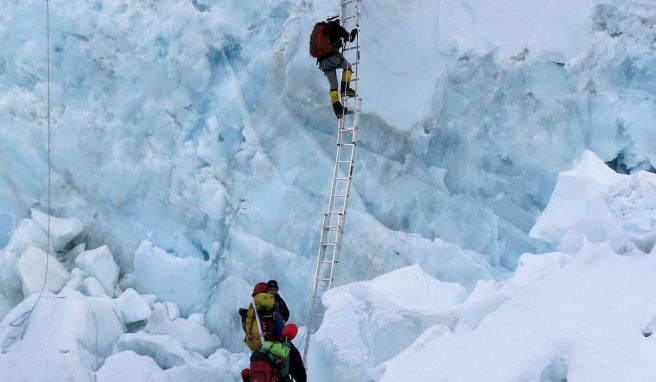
260	371
319	41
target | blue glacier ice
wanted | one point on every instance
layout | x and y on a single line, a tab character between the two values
192	147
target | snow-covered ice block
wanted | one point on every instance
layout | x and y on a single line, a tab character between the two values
371	321
32	271
192	335
132	306
166	351
68	330
418	288
592	202
100	264
185	281
27	234
575	192
62	230
127	366
560	315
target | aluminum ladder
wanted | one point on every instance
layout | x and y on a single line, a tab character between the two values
334	218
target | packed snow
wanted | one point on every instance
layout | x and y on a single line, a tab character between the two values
501	225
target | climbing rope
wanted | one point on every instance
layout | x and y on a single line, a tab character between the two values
20	320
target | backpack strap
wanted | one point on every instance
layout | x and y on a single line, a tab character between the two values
259	324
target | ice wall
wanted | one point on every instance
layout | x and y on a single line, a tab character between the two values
204	128
206	122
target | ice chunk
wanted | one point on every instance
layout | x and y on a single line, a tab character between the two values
172	309
27	234
192	335
100	264
62	231
93	287
185	281
575	192
166	351
32	271
132	306
591	202
127	366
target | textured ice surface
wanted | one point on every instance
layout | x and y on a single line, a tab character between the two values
185	281
202	129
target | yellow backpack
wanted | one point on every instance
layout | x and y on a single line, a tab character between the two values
264	302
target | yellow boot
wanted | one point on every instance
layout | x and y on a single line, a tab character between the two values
337	106
346	80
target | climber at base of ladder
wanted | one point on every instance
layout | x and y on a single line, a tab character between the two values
274	357
326	41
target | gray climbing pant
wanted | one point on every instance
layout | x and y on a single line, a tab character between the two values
329	66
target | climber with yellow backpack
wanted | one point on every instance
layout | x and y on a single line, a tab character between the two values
274	357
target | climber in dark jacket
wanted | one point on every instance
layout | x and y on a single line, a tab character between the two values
329	64
296	367
272	288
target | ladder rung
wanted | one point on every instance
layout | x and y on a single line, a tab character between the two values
328	261
328	244
351	17
342	178
351	48
346	144
340	195
324	280
332	228
336	213
343	161
348	2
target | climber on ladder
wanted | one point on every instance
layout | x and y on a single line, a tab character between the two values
326	42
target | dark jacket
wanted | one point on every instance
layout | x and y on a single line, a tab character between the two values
272	324
282	307
336	33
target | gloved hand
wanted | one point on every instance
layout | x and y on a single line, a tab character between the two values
354	33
